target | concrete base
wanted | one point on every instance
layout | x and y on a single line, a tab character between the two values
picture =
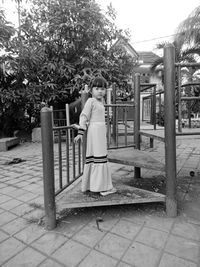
36	135
8	142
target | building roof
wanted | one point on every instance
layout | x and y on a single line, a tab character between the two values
147	57
124	43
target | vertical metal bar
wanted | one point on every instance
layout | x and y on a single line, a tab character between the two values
48	168
84	147
67	155
108	127
73	156
179	100
117	132
189	114
79	157
125	118
60	158
160	100
137	120
67	119
154	107
114	114
170	130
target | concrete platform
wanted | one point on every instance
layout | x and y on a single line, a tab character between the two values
125	194
6	143
136	158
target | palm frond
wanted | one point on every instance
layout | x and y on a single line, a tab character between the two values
189	30
156	64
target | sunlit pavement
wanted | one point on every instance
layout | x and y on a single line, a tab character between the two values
134	235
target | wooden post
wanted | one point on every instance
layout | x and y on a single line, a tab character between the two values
137	119
48	168
170	130
179	101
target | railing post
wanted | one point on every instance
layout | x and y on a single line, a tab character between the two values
48	168
84	97
109	113
179	100
137	119
154	107
170	130
114	122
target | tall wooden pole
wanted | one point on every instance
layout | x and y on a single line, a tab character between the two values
48	168
170	130
137	119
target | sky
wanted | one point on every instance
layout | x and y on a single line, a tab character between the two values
150	19
146	19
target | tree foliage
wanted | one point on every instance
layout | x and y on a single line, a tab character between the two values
61	45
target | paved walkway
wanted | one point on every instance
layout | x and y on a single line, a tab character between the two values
135	235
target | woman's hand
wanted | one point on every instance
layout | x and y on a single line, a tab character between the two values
77	138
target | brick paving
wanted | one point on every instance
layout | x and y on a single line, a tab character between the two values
134	235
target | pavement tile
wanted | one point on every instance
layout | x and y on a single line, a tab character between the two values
9	248
27	258
10	204
4	198
159	223
170	260
152	237
142	256
2	185
113	245
14	226
123	264
26	197
6	217
71	253
126	229
39	200
3	236
7	189
70	227
49	242
89	236
183	248
49	263
23	184
1	210
34	215
106	224
134	217
97	259
186	230
22	209
17	192
30	233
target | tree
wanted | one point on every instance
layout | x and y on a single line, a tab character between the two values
62	45
188	31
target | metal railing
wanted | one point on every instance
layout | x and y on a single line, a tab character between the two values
62	162
69	157
120	130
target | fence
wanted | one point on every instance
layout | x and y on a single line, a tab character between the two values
119	128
